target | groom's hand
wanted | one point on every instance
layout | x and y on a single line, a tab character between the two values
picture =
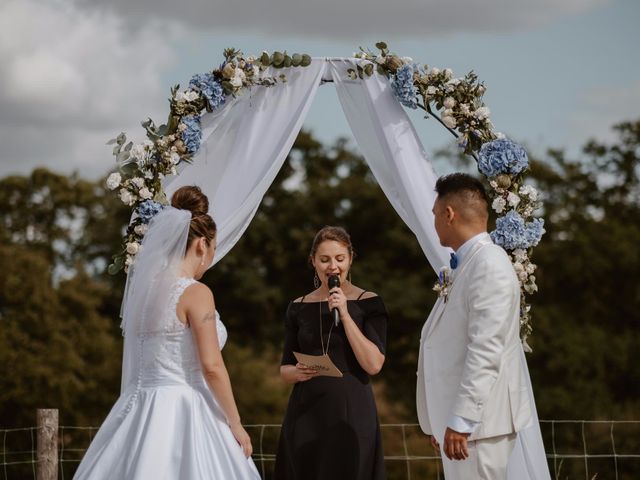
455	445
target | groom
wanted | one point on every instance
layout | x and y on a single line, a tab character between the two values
471	393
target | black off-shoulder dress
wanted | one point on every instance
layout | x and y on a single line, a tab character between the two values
331	430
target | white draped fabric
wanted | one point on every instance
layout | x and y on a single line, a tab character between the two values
245	144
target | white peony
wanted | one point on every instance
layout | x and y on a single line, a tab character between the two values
132	248
449	102
141	229
188	96
499	204
138	151
449	121
126	197
145	194
513	199
137	182
238	78
113	181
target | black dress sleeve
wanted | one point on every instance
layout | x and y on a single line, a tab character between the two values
375	322
290	337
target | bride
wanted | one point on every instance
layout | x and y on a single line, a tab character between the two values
176	417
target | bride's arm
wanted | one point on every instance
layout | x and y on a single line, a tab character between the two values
201	316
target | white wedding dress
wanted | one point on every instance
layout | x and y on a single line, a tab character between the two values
167	425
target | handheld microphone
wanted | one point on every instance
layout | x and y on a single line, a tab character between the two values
334	281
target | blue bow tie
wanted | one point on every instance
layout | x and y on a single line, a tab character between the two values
453	261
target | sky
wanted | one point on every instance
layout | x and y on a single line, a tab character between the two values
75	73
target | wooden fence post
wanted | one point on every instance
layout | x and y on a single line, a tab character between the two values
47	423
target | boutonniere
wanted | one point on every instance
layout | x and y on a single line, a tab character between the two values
443	284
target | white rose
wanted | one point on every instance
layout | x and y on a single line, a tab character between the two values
482	113
449	102
173	171
448	112
129	261
448	73
454	82
513	199
236	82
431	90
498	204
522	276
449	88
500	135
529	191
138	151
464	109
148	174
132	248
141	229
531	268
449	121
126	197
435	71
380	60
145	194
175	158
113	181
137	182
519	268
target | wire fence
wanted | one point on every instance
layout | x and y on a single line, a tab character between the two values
576	449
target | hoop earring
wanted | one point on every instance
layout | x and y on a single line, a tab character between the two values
316	280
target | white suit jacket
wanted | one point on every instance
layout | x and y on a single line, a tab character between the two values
470	359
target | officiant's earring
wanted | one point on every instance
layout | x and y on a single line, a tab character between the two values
316	280
202	261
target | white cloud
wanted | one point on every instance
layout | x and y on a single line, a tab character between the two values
355	19
70	79
598	109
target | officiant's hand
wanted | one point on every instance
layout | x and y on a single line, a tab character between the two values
455	445
337	299
304	373
434	443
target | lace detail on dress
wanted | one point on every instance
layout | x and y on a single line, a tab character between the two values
174	322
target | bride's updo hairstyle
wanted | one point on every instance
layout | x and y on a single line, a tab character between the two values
191	198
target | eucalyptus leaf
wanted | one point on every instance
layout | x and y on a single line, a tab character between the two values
116	150
265	60
306	60
296	59
121	139
287	61
116	266
368	69
277	59
127	148
111	142
381	46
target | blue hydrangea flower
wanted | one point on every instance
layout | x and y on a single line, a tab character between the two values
502	156
193	133
207	84
148	209
511	232
535	230
403	87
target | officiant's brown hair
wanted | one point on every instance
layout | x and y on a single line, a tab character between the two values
191	198
337	234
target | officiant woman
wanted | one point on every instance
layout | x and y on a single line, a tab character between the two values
330	429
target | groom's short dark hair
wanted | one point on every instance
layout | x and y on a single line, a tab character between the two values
465	188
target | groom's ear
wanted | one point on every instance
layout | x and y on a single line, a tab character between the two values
450	213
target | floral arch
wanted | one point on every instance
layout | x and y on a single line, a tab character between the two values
192	149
